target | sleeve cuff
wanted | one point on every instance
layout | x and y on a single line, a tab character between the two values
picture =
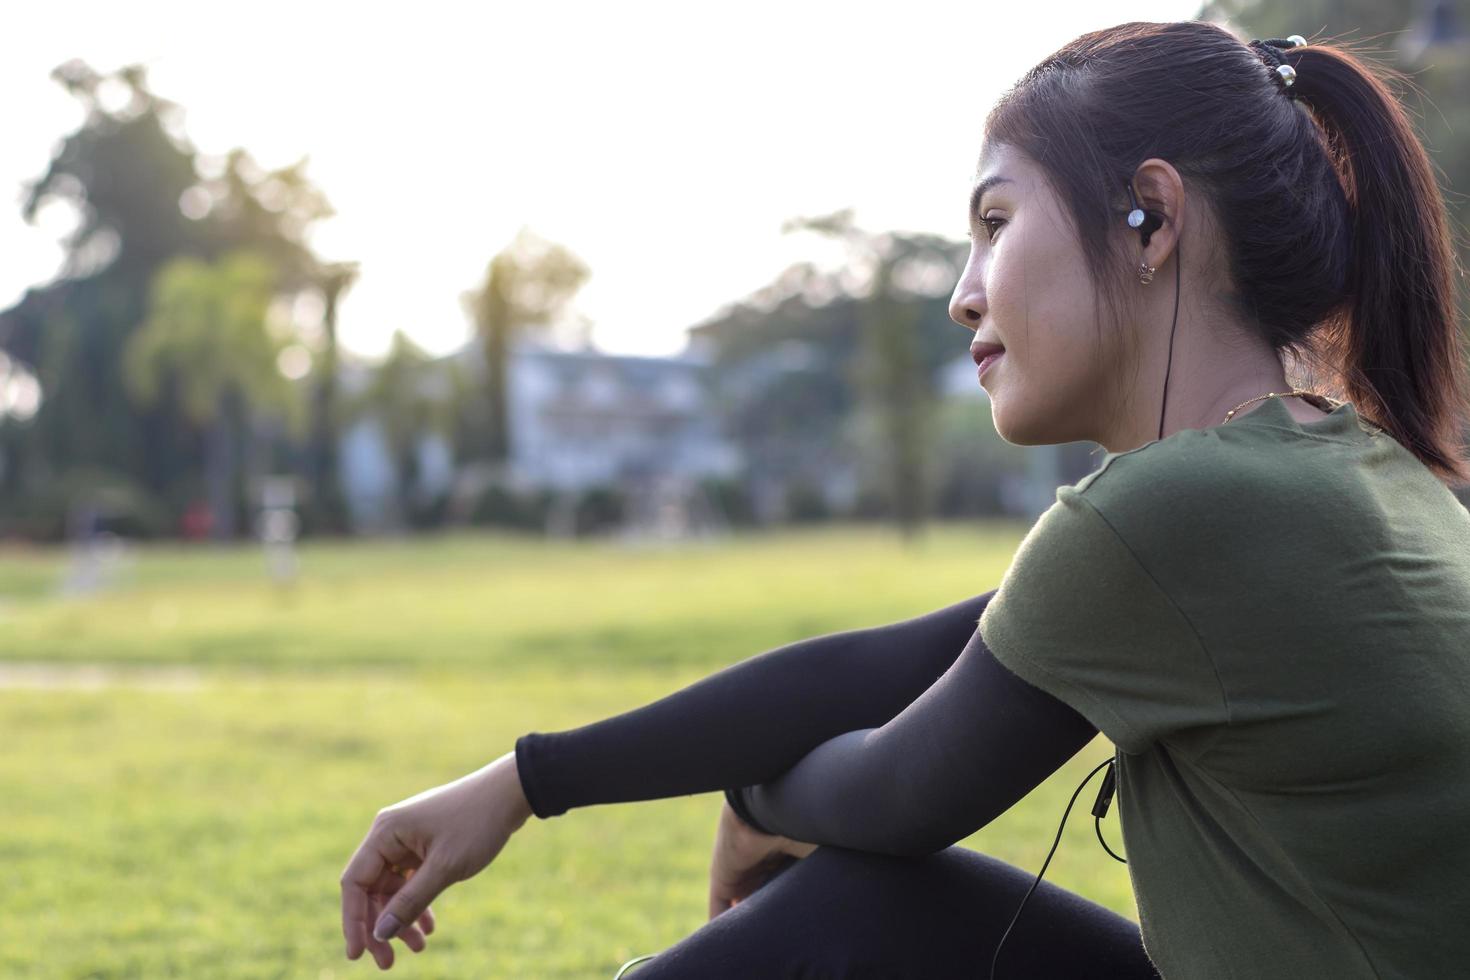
526	770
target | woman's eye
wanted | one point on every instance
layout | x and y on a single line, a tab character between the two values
992	225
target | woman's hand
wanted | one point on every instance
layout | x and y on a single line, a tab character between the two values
418	847
745	859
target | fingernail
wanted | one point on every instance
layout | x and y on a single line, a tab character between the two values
387	927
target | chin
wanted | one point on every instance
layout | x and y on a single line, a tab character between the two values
1023	431
1006	428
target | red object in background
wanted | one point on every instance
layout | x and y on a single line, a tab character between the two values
197	521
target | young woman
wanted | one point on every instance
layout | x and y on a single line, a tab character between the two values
1261	596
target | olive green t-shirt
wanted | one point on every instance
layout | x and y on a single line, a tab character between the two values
1270	620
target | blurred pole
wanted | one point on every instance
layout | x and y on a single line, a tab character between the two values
1043	476
277	526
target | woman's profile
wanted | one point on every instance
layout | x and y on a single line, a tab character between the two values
1229	264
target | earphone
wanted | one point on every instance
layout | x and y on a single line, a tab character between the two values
1147	222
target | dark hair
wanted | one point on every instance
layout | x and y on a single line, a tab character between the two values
1339	249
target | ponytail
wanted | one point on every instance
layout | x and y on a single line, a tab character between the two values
1395	345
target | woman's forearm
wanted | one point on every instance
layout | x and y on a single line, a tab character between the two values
959	755
749	722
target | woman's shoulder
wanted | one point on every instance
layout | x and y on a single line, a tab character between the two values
1195	477
1187	456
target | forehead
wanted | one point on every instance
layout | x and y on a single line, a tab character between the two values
1004	160
998	172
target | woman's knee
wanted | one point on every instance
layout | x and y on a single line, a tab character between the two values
835	913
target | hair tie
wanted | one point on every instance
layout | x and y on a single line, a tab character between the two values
1269	51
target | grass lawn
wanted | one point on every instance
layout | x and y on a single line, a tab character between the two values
187	811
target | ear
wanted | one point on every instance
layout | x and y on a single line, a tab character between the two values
1160	192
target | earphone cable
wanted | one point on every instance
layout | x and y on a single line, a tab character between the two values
1178	262
1099	808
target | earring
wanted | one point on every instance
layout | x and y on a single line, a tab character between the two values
1146	273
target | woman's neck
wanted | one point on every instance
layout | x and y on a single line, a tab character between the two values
1211	375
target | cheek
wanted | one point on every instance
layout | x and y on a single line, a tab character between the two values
1017	298
1040	296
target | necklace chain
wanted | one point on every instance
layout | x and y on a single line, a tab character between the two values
1310	396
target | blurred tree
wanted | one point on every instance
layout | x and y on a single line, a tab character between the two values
207	336
268	212
780	383
407	396
131	177
525	286
818	368
901	391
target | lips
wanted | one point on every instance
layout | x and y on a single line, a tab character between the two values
981	351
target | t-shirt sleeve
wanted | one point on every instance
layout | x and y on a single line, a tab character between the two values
1079	616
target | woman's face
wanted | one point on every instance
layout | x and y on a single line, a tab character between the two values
1027	288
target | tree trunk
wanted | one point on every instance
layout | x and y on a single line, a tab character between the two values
329	509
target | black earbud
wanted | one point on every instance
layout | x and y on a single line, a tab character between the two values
1147	222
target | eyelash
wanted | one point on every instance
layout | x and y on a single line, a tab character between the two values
987	222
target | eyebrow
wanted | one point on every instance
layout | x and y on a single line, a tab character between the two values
979	191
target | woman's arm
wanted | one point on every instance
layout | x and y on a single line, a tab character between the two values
960	755
749	722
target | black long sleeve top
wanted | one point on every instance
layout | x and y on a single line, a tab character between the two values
901	739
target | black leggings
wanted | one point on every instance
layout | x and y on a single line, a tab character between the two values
840	914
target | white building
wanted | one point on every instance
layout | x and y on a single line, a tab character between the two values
582	418
578	419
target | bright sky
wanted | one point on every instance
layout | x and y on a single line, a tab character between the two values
663	143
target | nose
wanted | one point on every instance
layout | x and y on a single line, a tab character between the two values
967	303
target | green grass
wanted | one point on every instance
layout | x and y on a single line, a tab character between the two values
199	829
